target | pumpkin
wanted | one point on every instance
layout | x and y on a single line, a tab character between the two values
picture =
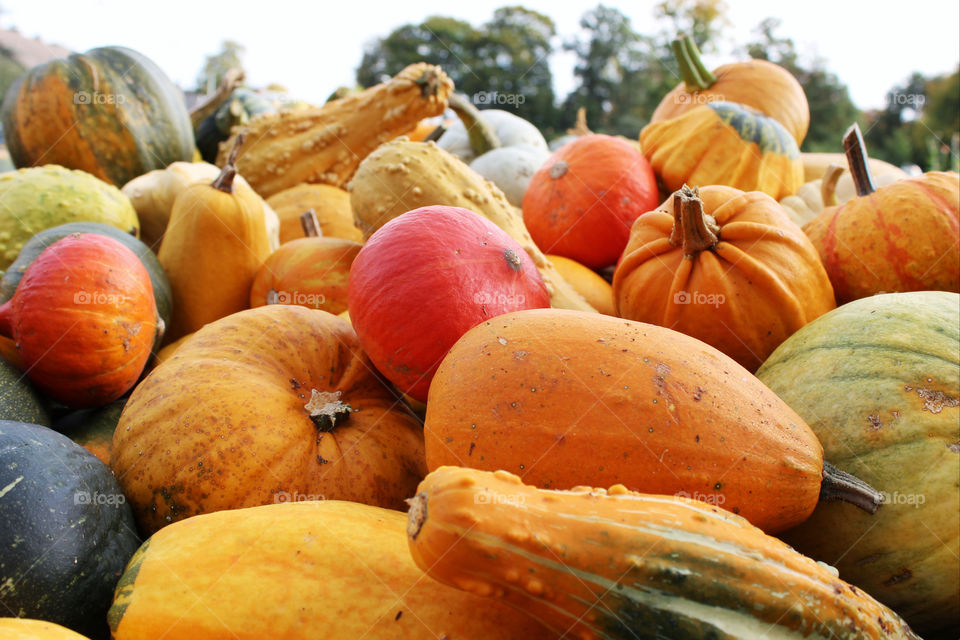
901	237
84	320
380	192
285	571
815	165
759	84
279	399
311	272
587	282
878	380
330	204
19	401
445	268
590	563
30	629
168	350
93	429
39	242
154	193
582	201
565	398
110	111
723	266
499	145
835	186
325	144
727	144
213	247
240	106
67	532
42	197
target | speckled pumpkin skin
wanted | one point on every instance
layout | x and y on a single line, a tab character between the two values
878	380
222	423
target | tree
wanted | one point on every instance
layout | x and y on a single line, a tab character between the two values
216	66
704	20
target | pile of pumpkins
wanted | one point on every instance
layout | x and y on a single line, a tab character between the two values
368	376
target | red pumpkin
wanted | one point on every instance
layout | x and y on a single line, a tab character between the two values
581	202
425	278
84	319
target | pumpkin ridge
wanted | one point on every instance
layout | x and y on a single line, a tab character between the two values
777	289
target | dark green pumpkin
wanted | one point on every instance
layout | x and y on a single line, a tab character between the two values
239	108
110	111
19	401
93	428
35	246
67	532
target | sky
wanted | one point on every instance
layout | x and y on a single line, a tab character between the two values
312	47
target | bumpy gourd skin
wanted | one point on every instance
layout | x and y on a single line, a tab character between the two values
616	564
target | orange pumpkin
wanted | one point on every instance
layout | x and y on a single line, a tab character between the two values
724	266
270	405
587	282
331	205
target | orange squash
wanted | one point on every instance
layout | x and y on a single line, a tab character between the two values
727	267
595	290
330	204
269	404
613	564
29	629
565	398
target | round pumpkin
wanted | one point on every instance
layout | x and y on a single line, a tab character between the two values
727	267
272	404
330	204
310	272
724	143
110	111
587	282
878	381
441	270
84	319
581	202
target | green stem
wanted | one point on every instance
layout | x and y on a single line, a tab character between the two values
856	152
482	136
694	54
696	77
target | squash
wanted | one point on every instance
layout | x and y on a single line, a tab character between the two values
325	144
330	204
110	111
587	282
830	190
93	429
590	564
19	401
445	268
727	144
168	350
565	398
39	242
901	237
815	166
67	532
401	175
154	193
84	319
214	245
29	629
297	571
42	197
499	145
725	267
239	107
878	379
582	201
759	84
279	399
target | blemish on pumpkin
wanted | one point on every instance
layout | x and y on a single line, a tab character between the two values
955	447
326	409
520	355
875	422
294	384
873	557
906	574
663	370
935	400
397	617
470	452
698	393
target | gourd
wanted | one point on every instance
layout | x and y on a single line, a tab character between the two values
330	204
30	629
587	282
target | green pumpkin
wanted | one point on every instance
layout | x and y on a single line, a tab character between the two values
238	109
110	111
93	428
67	531
35	246
19	401
878	380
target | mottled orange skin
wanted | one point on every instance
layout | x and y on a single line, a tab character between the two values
761	282
28	629
222	424
587	282
84	320
330	204
763	85
902	237
565	398
310	272
613	564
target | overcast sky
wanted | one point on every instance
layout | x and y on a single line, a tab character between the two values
313	47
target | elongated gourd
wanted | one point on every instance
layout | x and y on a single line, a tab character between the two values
214	244
325	144
613	564
402	175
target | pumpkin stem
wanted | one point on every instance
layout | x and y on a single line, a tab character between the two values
693	228
828	185
856	152
696	76
580	127
840	485
326	409
231	80
310	224
482	136
417	514
430	82
436	133
224	181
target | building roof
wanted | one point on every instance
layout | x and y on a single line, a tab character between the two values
30	52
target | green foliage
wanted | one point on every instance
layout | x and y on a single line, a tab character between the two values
10	70
216	66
